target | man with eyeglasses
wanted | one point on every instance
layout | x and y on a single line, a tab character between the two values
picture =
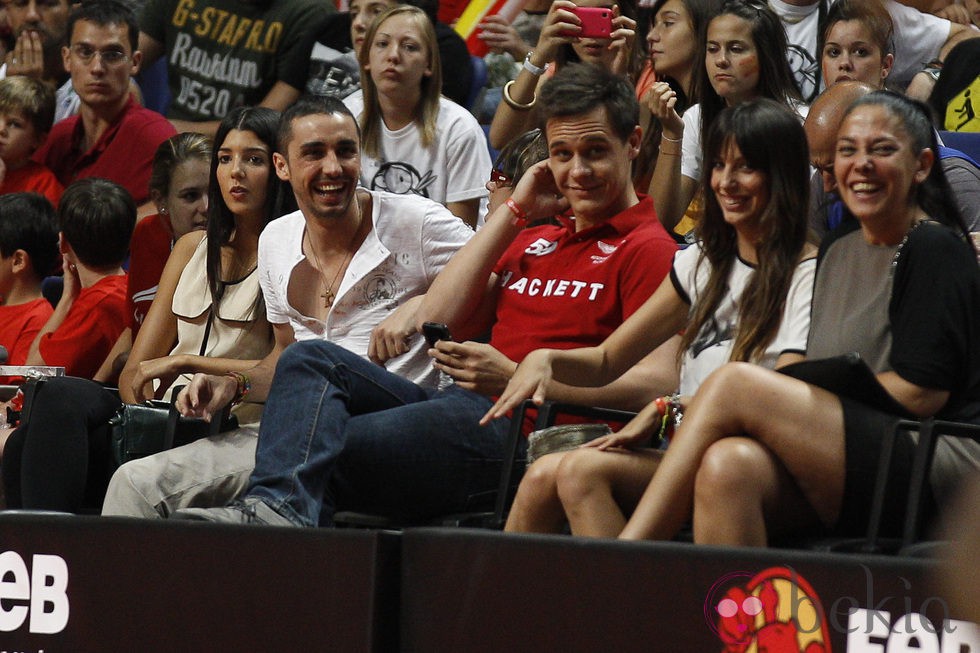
112	136
39	27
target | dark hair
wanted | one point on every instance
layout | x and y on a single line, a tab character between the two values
577	89
933	195
771	139
30	96
28	222
97	216
700	12
870	13
174	151
264	123
775	77
310	105
106	12
521	153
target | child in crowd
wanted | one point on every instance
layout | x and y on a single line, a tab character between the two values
28	252
96	218
26	116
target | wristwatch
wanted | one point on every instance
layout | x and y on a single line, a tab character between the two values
531	68
932	71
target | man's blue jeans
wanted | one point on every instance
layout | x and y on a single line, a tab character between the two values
341	433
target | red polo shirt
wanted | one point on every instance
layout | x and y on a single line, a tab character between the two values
123	154
562	290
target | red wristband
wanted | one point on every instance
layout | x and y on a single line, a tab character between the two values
520	216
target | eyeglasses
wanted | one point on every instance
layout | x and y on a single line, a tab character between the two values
500	179
87	53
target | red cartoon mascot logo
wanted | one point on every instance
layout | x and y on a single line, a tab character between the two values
775	611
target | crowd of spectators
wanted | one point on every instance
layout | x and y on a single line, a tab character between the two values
648	240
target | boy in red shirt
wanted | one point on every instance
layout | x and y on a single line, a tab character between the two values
28	252
96	217
26	115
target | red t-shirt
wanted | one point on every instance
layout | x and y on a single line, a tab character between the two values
19	325
123	154
33	178
90	329
562	290
148	253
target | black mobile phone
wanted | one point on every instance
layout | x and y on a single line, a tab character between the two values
435	331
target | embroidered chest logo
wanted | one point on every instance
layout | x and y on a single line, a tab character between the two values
606	250
541	247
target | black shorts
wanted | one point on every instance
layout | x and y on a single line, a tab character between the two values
864	430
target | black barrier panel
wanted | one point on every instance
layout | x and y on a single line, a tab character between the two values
138	585
483	591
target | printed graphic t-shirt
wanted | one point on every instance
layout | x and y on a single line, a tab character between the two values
224	54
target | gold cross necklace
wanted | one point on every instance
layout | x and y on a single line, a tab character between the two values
328	294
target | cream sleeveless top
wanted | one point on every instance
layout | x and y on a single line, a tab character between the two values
238	330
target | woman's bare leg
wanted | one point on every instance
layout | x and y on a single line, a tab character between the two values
597	487
537	508
742	494
802	425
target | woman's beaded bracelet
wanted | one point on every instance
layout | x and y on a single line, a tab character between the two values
244	385
671	413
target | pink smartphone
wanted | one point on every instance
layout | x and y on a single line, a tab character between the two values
596	22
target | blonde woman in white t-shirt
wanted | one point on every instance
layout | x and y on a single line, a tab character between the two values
414	140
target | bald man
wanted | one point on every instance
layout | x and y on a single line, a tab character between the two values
823	121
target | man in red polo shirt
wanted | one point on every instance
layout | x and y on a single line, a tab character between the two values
341	433
112	136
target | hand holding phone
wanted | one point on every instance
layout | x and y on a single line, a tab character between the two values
596	22
434	332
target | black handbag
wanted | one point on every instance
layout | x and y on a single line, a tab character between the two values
848	376
138	430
